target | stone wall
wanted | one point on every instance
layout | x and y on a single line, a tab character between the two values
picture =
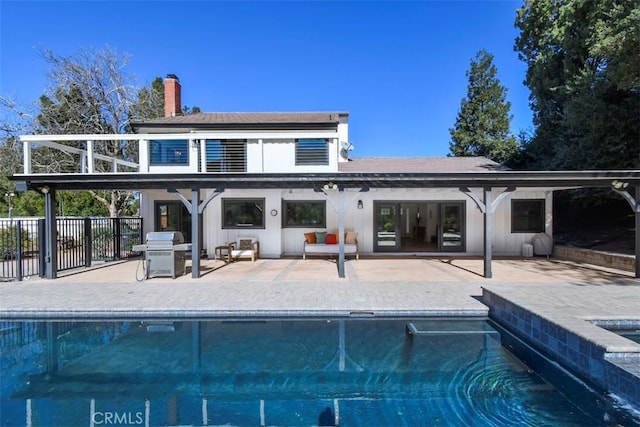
588	256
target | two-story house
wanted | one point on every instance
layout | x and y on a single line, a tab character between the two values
277	176
410	220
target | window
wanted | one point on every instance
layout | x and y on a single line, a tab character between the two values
312	152
304	213
226	155
242	213
527	216
169	152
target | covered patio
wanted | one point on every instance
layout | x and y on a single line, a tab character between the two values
486	189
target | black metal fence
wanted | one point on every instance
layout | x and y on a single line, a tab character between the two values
81	242
19	248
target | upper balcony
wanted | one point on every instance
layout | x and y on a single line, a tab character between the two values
194	151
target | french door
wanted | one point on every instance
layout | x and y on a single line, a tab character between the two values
451	226
387	227
419	226
173	216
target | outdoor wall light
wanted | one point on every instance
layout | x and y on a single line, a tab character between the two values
360	204
44	190
619	185
274	212
330	186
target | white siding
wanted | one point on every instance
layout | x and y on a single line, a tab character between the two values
279	156
255	158
270	237
507	243
276	241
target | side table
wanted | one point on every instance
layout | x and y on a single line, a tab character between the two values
222	252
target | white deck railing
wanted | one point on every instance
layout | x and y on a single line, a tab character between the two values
240	157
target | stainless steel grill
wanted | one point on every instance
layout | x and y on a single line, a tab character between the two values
164	254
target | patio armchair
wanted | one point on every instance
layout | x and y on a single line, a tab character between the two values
244	247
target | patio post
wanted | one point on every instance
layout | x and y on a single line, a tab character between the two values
341	213
51	251
620	187
637	213
488	207
488	232
195	233
341	209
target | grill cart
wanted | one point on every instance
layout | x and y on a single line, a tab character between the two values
164	254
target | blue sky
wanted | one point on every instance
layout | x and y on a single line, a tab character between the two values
397	67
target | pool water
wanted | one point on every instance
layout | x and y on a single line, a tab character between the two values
351	372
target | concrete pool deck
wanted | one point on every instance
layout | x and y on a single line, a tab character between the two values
285	287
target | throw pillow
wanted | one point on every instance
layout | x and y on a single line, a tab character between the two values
310	237
321	236
351	237
245	244
331	239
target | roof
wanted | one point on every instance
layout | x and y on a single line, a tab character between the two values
419	165
477	179
246	119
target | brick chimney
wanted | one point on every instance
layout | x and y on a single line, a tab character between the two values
172	101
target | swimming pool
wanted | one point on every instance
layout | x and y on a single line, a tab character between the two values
276	372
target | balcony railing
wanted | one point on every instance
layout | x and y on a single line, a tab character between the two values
187	152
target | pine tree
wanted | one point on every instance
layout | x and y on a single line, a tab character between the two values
482	124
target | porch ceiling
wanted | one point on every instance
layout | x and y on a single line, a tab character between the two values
138	181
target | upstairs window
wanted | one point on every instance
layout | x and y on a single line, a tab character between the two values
304	213
169	152
312	152
226	155
242	213
527	216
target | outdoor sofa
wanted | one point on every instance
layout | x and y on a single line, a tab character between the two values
323	243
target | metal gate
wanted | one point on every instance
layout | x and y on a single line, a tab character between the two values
80	242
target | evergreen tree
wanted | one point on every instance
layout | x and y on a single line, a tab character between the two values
482	124
583	70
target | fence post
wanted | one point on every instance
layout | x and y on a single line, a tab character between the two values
42	245
116	238
88	248
19	250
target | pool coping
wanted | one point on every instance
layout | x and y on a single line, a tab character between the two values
577	342
25	315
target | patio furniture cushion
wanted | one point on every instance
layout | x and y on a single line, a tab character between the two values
321	236
351	237
244	247
245	244
310	237
326	248
331	239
